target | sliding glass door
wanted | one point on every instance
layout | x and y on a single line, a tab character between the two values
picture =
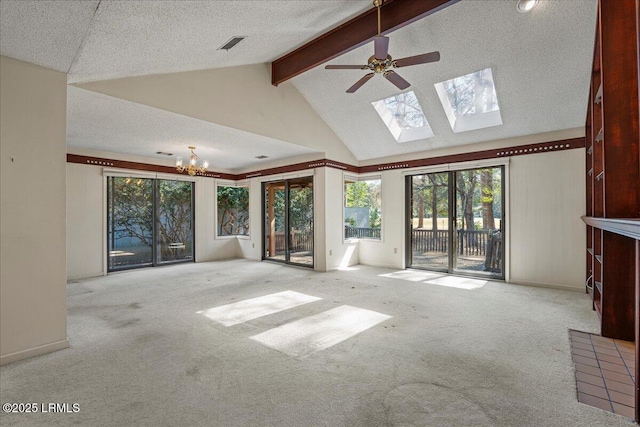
478	221
455	221
174	221
149	222
288	225
430	221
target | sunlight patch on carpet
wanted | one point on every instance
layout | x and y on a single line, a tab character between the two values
412	275
242	311
458	282
440	279
321	331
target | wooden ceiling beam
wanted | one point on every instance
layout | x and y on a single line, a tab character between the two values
352	34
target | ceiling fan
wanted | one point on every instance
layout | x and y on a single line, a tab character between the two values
381	61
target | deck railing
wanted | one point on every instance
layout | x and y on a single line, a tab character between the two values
361	233
301	241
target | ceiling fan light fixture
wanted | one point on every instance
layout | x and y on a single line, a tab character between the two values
525	6
381	62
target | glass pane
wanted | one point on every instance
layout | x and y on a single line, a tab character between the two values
301	221
403	116
362	209
470	101
233	211
479	221
174	221
430	221
130	222
274	245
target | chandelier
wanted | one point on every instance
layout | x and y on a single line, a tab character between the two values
192	169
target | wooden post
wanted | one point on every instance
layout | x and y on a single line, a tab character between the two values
272	220
637	409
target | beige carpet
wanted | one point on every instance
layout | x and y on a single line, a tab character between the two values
444	352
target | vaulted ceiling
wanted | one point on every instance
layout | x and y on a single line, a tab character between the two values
540	62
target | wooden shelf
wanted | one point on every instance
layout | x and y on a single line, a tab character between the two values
598	98
598	286
600	135
613	148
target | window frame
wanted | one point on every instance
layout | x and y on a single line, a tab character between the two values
235	184
359	178
108	176
475	121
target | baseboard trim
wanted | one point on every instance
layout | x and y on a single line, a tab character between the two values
547	285
32	352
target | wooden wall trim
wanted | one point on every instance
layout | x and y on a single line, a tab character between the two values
148	167
519	150
544	147
299	167
352	34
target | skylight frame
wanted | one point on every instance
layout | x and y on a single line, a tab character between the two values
403	133
476	120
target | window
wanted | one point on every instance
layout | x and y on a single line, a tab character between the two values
470	101
150	222
403	117
233	210
362	208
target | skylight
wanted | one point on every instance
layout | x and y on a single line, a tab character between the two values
403	116
470	101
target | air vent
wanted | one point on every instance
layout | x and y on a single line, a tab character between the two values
162	153
262	156
231	43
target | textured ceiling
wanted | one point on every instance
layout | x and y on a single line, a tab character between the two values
46	33
128	38
541	64
104	123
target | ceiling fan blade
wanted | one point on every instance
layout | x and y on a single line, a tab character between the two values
381	47
345	67
396	80
360	82
418	59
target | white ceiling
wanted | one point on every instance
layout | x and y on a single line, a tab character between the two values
540	62
129	37
111	124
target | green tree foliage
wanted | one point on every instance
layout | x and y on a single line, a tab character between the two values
365	194
174	216
131	208
357	194
301	208
131	212
233	211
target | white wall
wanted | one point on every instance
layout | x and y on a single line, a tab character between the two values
339	254
389	251
32	213
86	208
251	248
86	202
548	238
